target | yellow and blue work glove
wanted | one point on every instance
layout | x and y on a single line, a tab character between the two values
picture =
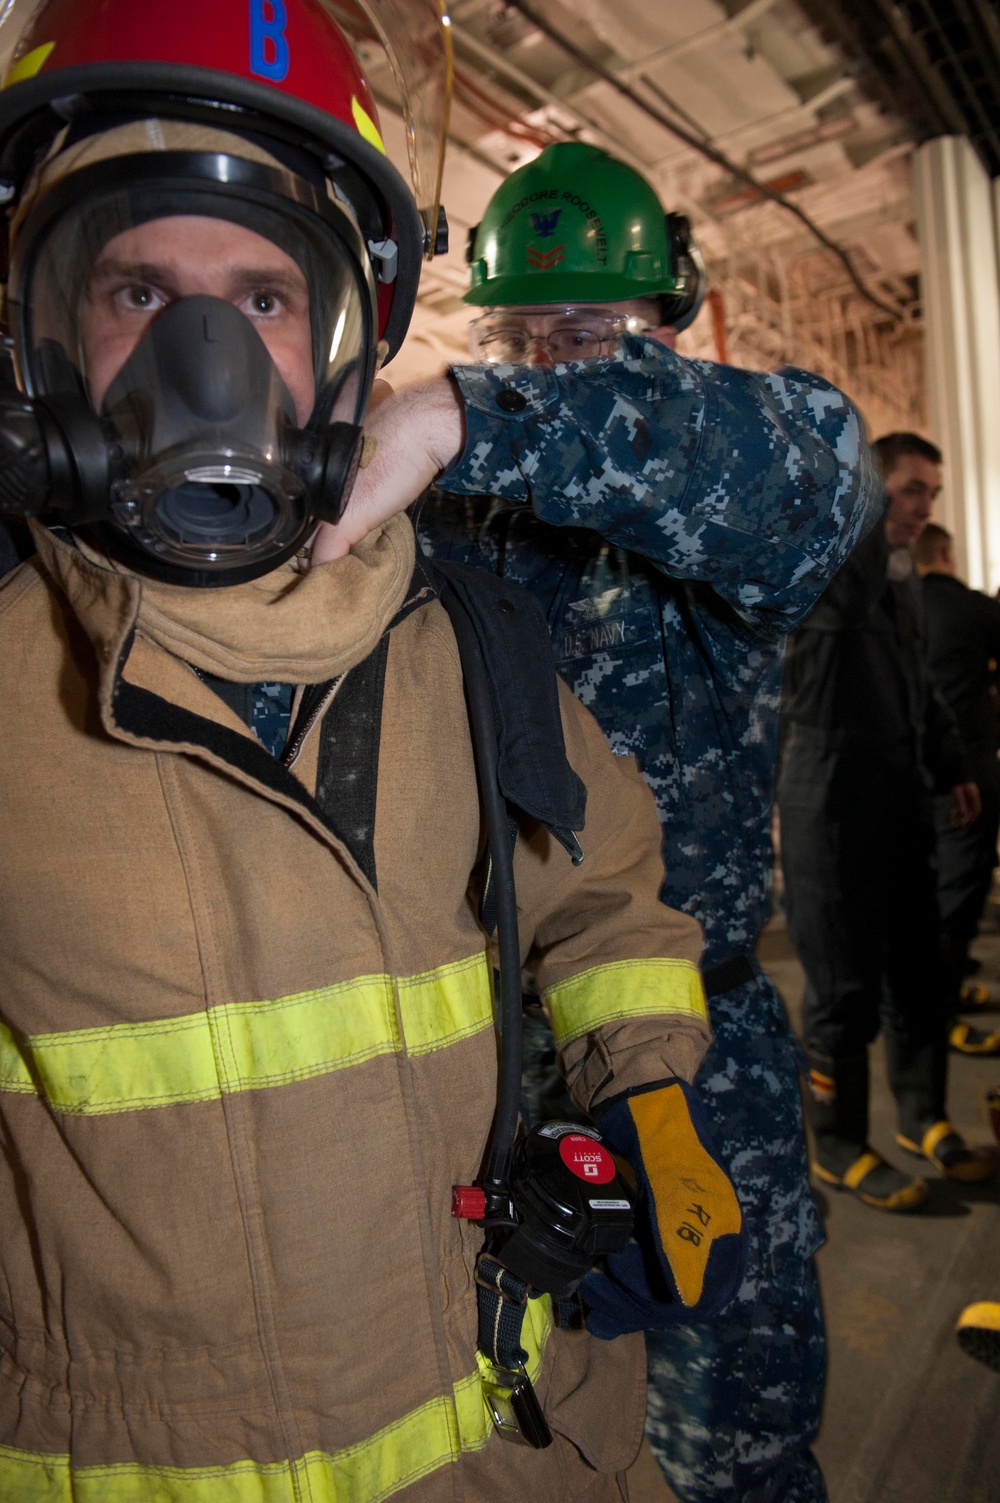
689	1249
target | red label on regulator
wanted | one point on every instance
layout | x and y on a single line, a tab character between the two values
586	1159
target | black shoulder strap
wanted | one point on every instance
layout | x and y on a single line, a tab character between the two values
347	775
535	776
350	737
15	544
534	770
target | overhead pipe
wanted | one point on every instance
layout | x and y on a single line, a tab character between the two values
694	43
704	147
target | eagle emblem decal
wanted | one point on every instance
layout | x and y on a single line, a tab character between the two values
545	224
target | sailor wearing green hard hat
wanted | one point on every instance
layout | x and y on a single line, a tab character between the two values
674	519
581	241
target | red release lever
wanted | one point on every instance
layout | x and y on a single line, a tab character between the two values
468	1201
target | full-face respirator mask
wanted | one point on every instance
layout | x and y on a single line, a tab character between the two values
154	417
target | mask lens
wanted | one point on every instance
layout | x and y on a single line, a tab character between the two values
202	410
217	336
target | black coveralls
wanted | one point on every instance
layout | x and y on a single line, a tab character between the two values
963	638
867	741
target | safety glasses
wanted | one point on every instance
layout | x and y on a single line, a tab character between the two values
510	336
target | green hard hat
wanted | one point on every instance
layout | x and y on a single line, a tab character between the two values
577	226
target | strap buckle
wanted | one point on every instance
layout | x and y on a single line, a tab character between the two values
514	1408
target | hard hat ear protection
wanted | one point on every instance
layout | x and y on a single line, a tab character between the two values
681	308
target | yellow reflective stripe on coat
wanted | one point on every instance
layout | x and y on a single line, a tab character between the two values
242	1046
429	1437
625	989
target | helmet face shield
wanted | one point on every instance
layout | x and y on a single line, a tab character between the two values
298	82
218	315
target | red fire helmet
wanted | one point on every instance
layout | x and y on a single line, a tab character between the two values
278	68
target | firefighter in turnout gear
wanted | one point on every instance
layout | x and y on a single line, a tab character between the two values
247	1031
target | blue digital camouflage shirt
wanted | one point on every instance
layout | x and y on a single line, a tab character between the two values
675	519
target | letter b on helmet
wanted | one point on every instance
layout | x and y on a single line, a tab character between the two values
268	45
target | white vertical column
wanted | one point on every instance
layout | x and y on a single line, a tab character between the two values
960	287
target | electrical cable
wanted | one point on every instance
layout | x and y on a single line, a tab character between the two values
702	146
489	111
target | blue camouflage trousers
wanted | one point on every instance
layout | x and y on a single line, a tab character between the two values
734	1404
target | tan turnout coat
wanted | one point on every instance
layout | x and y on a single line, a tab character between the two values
237	1081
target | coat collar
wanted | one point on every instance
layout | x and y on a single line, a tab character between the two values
286	627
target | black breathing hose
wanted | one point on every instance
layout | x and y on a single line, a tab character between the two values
482	721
